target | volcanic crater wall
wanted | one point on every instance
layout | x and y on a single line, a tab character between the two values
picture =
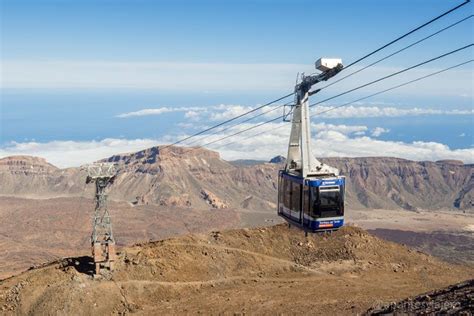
177	176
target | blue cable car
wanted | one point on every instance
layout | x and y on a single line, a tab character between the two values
310	193
311	203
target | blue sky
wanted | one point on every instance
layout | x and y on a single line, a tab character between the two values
211	31
71	68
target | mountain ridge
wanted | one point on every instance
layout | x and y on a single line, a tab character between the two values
197	177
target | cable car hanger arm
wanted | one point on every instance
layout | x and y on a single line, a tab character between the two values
329	68
300	159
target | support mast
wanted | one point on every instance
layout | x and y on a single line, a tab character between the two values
301	160
102	238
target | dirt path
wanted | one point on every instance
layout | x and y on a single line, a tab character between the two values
252	253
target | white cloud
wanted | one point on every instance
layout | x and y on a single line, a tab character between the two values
224	112
75	153
352	111
329	141
344	129
212	113
192	114
376	132
187	125
157	111
341	145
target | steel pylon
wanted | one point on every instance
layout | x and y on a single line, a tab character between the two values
102	238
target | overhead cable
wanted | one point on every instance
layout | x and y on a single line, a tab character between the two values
398	51
408	33
343	78
394	74
227	121
346	92
290	94
360	99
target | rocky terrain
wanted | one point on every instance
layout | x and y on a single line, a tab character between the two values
35	231
158	193
45	215
261	270
34	177
457	299
197	177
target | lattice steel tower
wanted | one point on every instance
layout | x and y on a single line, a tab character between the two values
102	239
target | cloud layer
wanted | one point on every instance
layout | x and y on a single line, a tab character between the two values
223	112
76	153
158	111
352	111
169	76
210	77
331	140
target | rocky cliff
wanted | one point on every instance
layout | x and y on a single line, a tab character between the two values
196	177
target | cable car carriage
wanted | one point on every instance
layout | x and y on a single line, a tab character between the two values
312	203
310	193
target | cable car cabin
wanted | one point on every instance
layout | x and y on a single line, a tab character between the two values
312	203
310	193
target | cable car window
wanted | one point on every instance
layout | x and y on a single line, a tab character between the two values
330	203
296	198
329	199
283	191
306	201
280	190
326	203
342	200
291	193
315	210
287	192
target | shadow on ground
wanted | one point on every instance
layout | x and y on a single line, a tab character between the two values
83	264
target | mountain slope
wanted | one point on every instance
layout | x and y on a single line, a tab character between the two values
262	271
398	183
198	177
183	177
34	177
